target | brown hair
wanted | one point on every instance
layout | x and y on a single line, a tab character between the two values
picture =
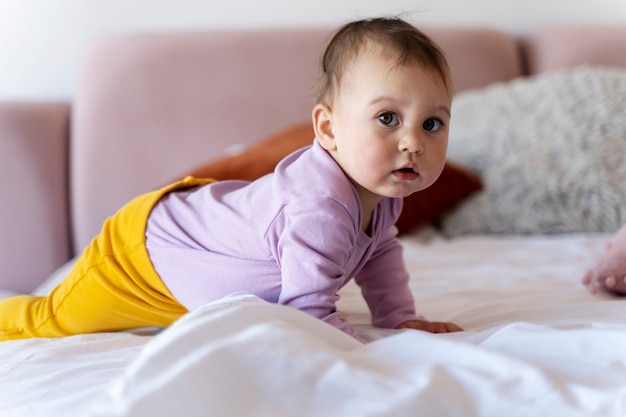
412	47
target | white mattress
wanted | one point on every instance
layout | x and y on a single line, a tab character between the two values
535	343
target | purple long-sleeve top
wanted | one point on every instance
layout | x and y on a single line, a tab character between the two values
292	237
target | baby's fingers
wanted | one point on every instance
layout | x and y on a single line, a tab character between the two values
615	283
591	280
442	327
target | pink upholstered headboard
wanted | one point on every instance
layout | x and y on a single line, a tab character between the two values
561	47
34	221
150	107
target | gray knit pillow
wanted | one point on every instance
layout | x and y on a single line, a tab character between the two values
551	151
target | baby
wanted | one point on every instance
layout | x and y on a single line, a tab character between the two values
294	237
609	271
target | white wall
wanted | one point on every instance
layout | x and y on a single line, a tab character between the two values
42	41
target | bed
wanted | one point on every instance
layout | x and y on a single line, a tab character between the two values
533	188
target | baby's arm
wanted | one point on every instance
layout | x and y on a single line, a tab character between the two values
609	270
385	286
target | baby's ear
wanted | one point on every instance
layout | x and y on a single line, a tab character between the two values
323	126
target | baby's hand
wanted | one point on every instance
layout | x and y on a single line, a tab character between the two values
609	271
430	326
597	278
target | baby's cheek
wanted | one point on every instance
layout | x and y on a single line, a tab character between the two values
436	168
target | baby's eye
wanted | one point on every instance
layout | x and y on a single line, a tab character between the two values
388	118
432	125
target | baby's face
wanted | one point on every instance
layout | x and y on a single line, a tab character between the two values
390	126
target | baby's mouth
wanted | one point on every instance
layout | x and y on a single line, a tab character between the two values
406	174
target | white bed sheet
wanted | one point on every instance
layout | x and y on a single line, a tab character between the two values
536	343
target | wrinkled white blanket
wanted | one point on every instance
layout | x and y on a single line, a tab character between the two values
244	357
536	343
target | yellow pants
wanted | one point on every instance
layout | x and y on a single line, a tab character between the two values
113	285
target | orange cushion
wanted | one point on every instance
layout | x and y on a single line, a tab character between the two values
421	208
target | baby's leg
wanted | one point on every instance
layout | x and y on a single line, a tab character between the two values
609	271
112	286
93	298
